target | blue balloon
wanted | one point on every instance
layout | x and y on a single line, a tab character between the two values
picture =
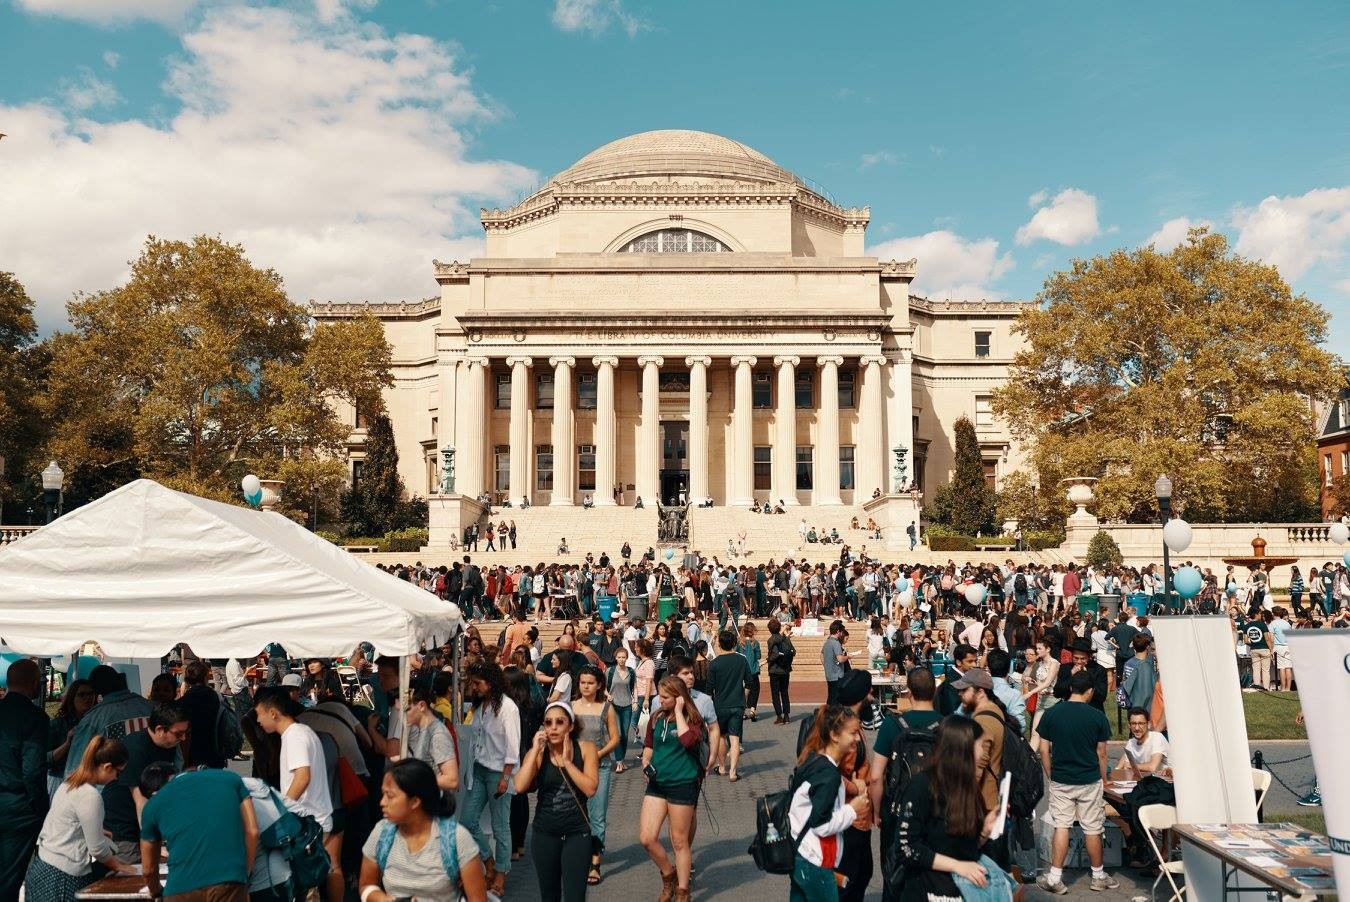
670	554
1187	581
1346	557
255	499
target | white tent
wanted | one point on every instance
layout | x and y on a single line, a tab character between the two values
144	568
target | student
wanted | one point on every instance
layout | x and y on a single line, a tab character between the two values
599	726
429	740
671	761
781	652
498	722
817	811
726	678
160	742
1146	751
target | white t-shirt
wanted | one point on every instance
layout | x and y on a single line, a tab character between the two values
300	747
1153	743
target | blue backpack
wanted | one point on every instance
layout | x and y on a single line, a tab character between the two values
446	827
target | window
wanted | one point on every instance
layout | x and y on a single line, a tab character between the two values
358	470
805	389
846	467
586	467
586	391
435	427
990	473
543	468
501	468
761	391
984	412
502	395
673	381
675	241
848	394
763	468
1345	462
359	417
543	391
982	343
1326	469
433	480
804	469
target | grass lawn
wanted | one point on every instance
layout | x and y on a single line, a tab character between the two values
1308	818
1270	715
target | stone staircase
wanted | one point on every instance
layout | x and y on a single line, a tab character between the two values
776	536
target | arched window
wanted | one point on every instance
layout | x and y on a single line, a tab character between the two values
675	241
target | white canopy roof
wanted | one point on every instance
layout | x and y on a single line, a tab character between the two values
144	568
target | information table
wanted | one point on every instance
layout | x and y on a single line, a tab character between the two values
115	888
1284	857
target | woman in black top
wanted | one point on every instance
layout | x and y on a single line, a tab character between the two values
565	772
942	821
779	659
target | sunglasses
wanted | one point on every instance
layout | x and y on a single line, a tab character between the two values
557	722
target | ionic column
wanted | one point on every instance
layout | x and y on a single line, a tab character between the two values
471	428
604	430
520	428
827	433
564	447
649	442
742	450
785	431
870	455
698	427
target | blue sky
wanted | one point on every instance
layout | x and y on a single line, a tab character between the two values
346	142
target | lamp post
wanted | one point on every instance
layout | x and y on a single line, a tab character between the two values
1163	489
53	478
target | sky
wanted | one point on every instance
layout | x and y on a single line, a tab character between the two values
346	143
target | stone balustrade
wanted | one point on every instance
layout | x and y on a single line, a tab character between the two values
10	534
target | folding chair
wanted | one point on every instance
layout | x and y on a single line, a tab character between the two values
1260	783
1162	817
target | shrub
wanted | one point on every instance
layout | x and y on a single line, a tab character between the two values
329	536
411	539
1039	541
950	543
1103	551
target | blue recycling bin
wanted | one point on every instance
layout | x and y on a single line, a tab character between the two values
606	608
938	665
1139	601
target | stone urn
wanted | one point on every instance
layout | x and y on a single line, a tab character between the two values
271	492
1080	493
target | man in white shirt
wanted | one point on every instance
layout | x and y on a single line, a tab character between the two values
1146	751
632	633
496	754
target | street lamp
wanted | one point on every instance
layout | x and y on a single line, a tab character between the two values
1163	489
53	478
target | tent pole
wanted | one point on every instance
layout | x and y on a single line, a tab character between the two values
457	685
404	689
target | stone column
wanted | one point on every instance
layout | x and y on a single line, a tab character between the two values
742	453
471	428
520	428
445	418
698	427
604	430
785	431
827	433
564	445
870	455
649	443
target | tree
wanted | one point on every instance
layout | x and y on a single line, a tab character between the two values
1103	551
1040	509
199	370
1197	363
1339	492
966	504
375	504
22	363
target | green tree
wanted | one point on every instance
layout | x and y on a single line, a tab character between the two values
200	369
1339	492
966	504
1197	363
1103	551
1035	508
22	364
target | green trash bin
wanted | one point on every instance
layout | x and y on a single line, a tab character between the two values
1089	605
667	605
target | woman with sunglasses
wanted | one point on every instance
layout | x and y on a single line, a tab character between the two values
78	699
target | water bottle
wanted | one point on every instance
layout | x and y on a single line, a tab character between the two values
771	834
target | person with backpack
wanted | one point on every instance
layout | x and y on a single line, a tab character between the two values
781	651
903	747
270	879
118	713
818	813
674	764
418	849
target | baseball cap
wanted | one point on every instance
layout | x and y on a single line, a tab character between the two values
976	677
291	679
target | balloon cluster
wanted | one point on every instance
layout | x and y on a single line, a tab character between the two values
252	487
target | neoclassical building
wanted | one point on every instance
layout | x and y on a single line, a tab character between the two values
676	312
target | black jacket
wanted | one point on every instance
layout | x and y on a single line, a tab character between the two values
1098	673
23	763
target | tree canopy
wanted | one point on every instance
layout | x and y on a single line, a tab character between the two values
21	365
966	504
1197	363
375	503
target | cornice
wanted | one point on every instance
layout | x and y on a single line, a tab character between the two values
739	262
382	309
920	304
446	273
900	269
497	321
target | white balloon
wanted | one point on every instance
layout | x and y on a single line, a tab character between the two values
1177	534
1340	533
975	593
250	484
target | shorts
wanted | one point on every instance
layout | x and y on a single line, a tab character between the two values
1283	660
1084	804
339	819
685	793
731	723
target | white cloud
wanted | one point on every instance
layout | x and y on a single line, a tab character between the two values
950	266
110	12
1298	232
1069	218
886	157
595	16
87	91
111	59
334	154
1173	233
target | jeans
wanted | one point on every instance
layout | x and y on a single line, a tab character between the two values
811	883
478	797
561	863
624	713
913	540
752	690
520	819
597	806
832	692
778	688
735	612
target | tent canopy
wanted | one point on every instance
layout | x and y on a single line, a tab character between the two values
144	568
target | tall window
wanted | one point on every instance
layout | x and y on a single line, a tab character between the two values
433	482
984	412
848	389
805	389
1326	469
502	391
990	473
359	417
543	468
586	391
982	343
804	469
543	391
763	468
761	391
846	467
435	427
501	468
586	467
675	241
1345	462
358	470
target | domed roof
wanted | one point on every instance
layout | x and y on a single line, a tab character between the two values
674	152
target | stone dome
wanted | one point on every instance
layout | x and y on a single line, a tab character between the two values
674	152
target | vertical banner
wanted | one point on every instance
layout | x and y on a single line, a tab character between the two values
1207	730
1322	669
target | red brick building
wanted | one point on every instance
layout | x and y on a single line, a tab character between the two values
1333	445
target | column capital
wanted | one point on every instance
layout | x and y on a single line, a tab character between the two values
513	361
786	359
562	361
476	361
870	359
830	358
696	359
650	359
745	359
604	361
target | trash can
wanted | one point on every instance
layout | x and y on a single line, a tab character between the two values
1139	601
939	665
1088	605
666	606
1110	606
606	608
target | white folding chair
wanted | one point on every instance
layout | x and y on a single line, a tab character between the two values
1261	784
1162	817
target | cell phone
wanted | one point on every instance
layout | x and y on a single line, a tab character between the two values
650	772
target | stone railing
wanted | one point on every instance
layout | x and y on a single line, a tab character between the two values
1319	533
14	533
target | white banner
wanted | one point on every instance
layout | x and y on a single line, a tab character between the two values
1322	669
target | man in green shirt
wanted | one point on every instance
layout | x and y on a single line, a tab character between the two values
726	681
1073	753
206	817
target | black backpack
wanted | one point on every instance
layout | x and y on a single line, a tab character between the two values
1020	584
1028	777
773	847
911	752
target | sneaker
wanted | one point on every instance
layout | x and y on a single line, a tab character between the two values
1313	799
1057	888
1106	882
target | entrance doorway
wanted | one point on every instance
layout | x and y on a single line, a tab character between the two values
674	460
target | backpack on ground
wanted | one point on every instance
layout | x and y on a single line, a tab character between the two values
1028	777
447	840
773	846
229	735
299	839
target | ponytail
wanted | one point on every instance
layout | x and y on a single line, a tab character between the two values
828	720
98	752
